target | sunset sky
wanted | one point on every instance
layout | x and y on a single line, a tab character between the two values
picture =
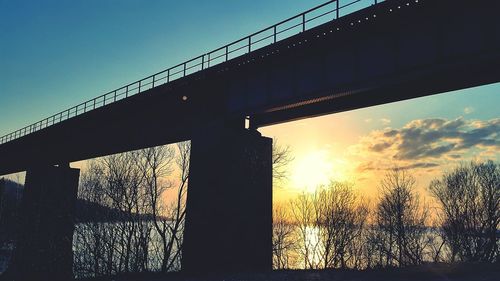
56	54
427	136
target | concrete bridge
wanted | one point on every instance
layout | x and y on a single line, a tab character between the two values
389	51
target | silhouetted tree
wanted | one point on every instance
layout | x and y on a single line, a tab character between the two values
400	221
303	215
282	157
283	238
469	198
340	219
93	240
168	218
330	225
283	229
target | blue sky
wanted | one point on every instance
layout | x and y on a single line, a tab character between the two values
55	54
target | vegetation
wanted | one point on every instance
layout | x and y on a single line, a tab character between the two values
469	198
335	228
147	235
140	199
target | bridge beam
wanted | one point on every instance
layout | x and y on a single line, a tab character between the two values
44	246
229	203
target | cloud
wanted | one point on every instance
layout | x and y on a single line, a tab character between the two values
427	143
385	121
376	166
468	110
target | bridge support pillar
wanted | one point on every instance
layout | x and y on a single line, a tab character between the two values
229	203
45	234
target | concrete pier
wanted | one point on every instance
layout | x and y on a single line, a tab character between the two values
44	246
229	202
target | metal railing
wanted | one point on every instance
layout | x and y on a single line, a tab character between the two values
316	16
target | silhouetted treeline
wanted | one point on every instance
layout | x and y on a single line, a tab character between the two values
87	211
336	228
10	197
126	221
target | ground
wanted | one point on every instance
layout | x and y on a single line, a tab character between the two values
434	272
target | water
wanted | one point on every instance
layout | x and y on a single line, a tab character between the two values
310	249
117	247
101	249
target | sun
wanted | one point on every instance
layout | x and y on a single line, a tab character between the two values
315	168
312	170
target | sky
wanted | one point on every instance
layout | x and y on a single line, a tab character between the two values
56	54
427	136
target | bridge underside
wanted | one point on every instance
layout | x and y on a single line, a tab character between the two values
378	55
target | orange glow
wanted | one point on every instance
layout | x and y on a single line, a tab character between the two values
316	168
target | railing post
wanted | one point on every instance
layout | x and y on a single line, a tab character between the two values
153	85
227	53
303	22
139	89
184	70
249	44
168	75
202	62
208	62
126	91
337	12
274	33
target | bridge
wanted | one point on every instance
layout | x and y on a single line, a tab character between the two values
329	59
